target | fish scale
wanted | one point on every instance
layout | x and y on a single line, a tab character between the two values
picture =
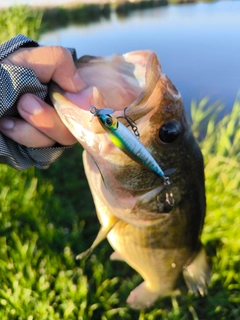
159	268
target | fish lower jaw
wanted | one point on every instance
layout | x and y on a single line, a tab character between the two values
141	222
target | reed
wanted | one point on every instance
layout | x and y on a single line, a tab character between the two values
56	17
20	19
123	8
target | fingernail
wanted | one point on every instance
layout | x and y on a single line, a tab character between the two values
78	82
31	105
7	124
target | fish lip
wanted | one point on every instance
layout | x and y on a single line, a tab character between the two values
73	116
146	222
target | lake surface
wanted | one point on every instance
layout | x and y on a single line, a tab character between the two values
198	45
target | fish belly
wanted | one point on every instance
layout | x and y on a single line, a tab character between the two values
159	266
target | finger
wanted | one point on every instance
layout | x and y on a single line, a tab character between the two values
53	62
23	133
44	118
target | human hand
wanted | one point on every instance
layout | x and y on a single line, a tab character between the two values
40	125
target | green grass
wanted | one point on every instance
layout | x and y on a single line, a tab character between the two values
20	19
47	217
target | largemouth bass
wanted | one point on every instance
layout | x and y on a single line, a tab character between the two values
159	244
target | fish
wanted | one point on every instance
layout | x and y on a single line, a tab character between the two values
159	242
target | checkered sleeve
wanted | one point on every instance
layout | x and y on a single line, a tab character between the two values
15	81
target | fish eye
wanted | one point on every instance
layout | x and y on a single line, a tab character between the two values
170	131
108	121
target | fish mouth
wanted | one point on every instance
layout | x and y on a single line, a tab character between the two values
119	82
134	85
113	82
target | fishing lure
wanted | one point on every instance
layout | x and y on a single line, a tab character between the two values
125	140
130	145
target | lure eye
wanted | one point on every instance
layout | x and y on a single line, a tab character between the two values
108	122
170	131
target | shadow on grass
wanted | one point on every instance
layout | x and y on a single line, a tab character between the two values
70	208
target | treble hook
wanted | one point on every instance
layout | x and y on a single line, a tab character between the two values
169	201
132	124
168	204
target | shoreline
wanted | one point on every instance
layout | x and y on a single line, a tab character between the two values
76	3
88	11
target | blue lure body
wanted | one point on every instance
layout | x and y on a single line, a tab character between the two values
125	140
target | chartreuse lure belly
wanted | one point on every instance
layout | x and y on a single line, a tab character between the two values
126	141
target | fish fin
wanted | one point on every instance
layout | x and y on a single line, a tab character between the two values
168	172
143	297
85	254
102	234
197	275
117	256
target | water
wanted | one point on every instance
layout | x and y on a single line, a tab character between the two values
198	45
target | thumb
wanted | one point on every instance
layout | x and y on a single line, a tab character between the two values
50	63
